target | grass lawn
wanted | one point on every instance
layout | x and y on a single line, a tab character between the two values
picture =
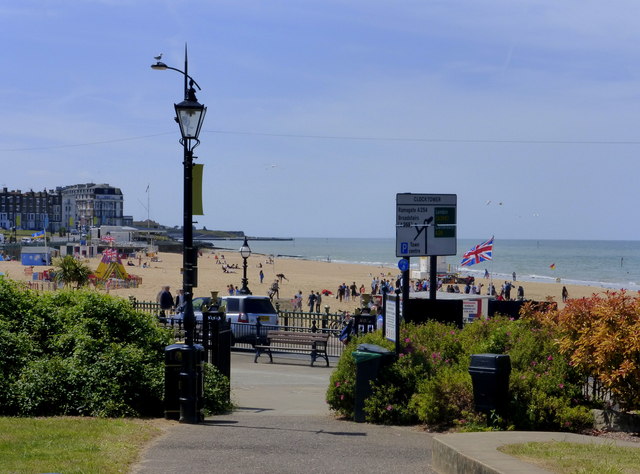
577	458
73	444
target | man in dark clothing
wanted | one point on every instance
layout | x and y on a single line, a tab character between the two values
311	301
165	299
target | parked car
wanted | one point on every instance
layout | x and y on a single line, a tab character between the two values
198	303
243	311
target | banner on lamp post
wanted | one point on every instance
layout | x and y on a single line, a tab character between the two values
196	190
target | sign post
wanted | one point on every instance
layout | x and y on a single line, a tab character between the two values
426	227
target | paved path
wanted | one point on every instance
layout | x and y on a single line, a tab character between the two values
282	424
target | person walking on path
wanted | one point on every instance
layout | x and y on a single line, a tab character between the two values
179	304
165	299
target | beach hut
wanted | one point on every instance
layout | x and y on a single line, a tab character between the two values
36	256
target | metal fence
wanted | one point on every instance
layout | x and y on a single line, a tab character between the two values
145	306
595	391
246	334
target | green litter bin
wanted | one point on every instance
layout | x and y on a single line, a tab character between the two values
369	358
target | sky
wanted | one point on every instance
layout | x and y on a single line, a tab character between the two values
320	111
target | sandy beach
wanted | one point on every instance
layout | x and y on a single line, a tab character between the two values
302	275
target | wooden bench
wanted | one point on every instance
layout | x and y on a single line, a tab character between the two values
283	341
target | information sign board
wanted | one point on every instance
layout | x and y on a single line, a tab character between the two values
425	224
390	321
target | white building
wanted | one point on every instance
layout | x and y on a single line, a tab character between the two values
85	205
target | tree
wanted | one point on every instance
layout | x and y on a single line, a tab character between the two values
70	270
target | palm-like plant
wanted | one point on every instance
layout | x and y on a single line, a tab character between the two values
70	270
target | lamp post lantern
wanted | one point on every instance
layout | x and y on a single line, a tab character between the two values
245	253
189	116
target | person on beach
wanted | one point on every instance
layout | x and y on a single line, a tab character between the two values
274	290
507	290
311	301
520	293
565	294
514	276
318	301
261	276
297	301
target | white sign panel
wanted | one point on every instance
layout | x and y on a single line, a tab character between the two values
390	319
425	224
470	310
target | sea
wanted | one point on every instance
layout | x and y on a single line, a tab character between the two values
611	264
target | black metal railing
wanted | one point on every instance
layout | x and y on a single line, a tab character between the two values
244	335
595	391
145	306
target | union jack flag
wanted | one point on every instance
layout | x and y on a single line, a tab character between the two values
110	255
479	253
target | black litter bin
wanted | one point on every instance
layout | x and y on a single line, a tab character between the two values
369	358
184	383
172	368
490	378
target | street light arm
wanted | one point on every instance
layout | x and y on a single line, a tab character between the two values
160	66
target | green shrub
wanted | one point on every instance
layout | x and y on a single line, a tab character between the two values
78	353
444	397
216	391
342	383
430	382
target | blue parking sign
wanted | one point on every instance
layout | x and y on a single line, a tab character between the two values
404	248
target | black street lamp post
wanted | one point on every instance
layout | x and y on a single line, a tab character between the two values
190	116
245	253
